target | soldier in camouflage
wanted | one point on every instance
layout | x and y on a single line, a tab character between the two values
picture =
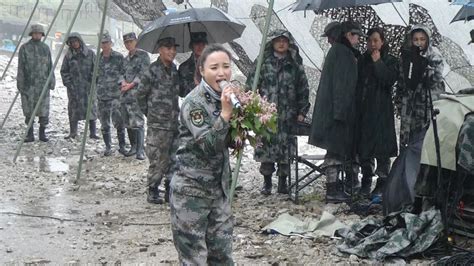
187	70
34	65
466	145
76	72
109	80
136	62
283	81
421	74
201	216
157	96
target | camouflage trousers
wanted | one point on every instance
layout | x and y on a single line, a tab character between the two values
132	116
43	120
109	113
334	165
202	229
269	169
161	146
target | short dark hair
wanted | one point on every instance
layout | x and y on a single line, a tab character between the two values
212	48
376	30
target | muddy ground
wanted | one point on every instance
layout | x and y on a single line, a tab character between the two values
45	217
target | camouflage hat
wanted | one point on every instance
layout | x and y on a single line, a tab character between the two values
333	29
168	42
106	38
351	26
279	33
472	37
36	28
197	37
129	36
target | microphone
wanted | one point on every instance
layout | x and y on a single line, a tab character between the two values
235	101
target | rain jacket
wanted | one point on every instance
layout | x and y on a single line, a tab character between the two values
376	137
334	110
34	65
420	74
76	72
283	82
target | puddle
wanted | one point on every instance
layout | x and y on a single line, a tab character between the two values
47	164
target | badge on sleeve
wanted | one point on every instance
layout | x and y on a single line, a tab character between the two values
197	117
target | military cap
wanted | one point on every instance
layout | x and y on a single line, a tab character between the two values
333	29
36	28
197	37
472	37
129	36
168	42
351	26
106	38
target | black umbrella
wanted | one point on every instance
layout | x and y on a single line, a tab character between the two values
400	188
220	28
466	13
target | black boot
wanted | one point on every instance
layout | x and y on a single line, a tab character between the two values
132	136
366	186
154	196
108	143
167	191
42	134
379	187
352	183
335	193
282	185
30	137
267	185
140	143
121	141
93	130
72	130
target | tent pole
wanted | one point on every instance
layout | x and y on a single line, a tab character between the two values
46	85
92	91
254	88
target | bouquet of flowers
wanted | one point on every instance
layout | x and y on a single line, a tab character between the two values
255	120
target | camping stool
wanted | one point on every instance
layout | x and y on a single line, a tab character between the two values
300	182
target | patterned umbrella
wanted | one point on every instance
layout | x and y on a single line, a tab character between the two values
318	5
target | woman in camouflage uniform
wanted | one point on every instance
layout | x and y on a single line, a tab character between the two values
201	216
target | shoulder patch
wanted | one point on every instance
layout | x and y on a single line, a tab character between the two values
197	117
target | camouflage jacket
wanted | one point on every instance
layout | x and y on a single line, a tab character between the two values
186	75
34	65
412	95
283	82
76	72
135	66
202	155
110	77
157	96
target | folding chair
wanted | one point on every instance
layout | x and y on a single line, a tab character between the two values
313	162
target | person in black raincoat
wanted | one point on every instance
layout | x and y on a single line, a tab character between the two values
376	137
334	110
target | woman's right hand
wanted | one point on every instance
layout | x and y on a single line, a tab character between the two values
226	103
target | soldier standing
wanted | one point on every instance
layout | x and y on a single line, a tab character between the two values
157	97
34	65
187	70
76	72
283	81
111	70
136	62
201	215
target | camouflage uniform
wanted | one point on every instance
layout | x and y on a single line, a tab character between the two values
284	82
111	70
412	96
34	65
201	217
186	73
76	72
135	65
157	97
